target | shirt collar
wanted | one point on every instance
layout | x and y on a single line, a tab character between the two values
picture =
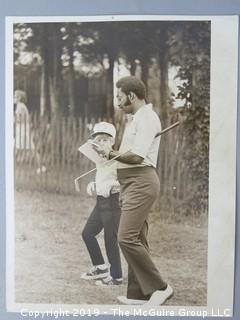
149	105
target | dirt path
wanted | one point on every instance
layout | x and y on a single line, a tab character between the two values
50	255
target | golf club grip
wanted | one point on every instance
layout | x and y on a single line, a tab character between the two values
167	129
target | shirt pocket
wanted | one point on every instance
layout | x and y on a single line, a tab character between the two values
131	134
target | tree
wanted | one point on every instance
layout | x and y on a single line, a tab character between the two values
44	41
69	36
51	52
190	50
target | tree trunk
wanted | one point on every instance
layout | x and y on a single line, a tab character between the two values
71	91
109	104
45	107
57	69
52	83
164	89
144	76
133	66
43	100
71	75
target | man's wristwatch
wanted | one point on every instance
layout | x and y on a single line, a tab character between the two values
109	155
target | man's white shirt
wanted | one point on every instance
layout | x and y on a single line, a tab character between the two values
140	137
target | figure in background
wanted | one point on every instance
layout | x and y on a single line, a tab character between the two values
23	133
23	138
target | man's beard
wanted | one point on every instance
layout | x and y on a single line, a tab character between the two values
128	102
126	106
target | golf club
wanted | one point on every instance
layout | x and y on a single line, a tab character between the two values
77	188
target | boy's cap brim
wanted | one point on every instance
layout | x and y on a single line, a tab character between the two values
94	134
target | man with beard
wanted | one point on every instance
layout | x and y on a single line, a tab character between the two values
137	161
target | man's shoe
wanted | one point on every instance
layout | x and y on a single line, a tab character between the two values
95	273
160	296
125	300
109	281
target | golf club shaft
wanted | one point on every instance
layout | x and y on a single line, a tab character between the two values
167	129
94	169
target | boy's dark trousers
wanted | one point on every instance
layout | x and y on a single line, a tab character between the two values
106	216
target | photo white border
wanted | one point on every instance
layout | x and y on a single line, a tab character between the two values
222	164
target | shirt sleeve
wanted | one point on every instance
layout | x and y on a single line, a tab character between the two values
146	131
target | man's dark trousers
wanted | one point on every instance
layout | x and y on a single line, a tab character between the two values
140	188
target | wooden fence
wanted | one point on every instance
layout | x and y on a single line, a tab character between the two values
47	156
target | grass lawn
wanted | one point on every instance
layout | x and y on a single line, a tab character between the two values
50	255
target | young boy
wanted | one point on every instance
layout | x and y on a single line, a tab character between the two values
105	215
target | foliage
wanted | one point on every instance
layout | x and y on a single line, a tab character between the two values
190	50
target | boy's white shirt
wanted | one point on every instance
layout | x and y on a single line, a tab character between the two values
106	179
106	173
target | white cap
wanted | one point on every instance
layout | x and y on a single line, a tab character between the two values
104	127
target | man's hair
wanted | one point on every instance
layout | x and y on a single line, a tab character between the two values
132	84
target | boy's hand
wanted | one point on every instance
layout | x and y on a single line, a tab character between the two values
91	189
103	151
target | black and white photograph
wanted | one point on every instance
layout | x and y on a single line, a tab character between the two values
115	129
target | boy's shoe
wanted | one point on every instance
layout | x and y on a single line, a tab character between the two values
95	273
109	281
41	169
